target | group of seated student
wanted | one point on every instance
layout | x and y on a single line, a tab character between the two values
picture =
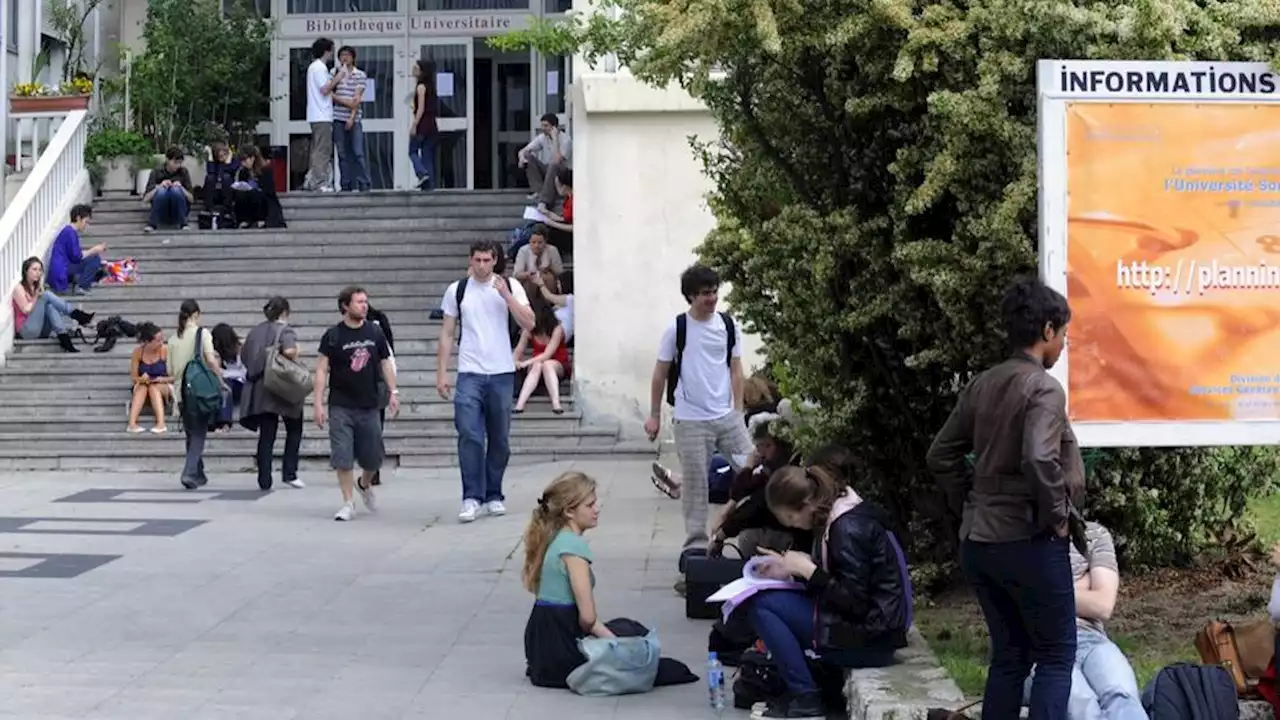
240	191
550	291
853	609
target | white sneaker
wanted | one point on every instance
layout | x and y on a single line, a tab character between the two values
495	508
295	484
470	509
366	494
346	512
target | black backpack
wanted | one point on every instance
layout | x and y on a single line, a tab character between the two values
682	330
1184	691
513	327
758	680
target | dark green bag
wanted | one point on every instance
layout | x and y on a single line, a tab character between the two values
201	389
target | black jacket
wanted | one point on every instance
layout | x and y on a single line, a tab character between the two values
862	602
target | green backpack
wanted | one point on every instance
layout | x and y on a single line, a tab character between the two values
201	389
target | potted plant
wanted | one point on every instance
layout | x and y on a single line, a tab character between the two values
37	97
114	157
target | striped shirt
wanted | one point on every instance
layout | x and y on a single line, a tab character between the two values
1102	553
345	92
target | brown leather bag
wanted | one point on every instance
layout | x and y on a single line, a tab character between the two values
1244	650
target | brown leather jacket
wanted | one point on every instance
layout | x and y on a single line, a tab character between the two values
1027	466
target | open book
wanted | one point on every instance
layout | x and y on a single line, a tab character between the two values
753	581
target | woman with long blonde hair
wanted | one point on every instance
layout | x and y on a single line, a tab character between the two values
557	570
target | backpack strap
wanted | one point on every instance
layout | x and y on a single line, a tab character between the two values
673	372
731	336
907	591
459	293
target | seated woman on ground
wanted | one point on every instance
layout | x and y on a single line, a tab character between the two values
557	570
38	313
149	371
855	608
254	192
227	345
550	362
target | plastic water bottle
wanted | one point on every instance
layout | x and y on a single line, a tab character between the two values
715	682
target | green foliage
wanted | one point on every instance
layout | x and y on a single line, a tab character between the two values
875	191
113	143
201	74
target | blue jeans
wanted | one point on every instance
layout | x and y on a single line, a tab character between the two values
422	154
482	410
1102	683
784	621
48	317
351	161
168	207
1028	598
85	272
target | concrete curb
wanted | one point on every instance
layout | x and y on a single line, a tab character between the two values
904	691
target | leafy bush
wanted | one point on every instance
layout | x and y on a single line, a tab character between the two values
113	143
875	191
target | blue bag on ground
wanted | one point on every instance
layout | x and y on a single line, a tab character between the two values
616	666
1183	691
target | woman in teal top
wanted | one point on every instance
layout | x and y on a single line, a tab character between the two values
557	570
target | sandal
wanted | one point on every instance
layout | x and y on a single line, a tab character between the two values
663	481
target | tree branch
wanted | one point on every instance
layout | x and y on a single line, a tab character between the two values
756	130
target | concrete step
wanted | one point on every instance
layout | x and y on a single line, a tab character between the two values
307	338
168	457
117	363
58	377
347	225
405	198
140	212
57	394
111	421
406	328
446	255
315	441
304	311
310	294
294	283
459	241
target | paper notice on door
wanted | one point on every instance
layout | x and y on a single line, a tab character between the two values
553	82
444	85
370	90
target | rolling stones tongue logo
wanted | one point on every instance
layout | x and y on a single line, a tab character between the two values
359	359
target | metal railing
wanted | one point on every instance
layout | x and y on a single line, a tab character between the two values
36	211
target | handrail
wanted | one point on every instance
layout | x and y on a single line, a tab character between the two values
39	207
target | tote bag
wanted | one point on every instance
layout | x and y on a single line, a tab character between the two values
616	666
285	377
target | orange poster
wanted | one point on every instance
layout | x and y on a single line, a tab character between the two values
1173	261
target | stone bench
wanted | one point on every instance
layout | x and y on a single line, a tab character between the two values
904	691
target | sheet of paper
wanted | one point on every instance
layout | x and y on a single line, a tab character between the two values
444	85
370	90
553	82
531	213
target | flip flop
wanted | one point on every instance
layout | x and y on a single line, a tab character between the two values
661	480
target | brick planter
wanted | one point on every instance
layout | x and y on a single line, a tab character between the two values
48	103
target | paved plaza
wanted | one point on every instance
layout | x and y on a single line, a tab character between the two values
122	596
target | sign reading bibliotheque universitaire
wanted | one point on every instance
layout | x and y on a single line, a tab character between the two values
381	26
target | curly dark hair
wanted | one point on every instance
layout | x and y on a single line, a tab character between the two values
1028	306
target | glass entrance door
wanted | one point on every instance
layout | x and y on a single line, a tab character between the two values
289	82
450	60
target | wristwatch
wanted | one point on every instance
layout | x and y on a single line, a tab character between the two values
395	392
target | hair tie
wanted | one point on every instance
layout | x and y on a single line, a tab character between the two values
542	501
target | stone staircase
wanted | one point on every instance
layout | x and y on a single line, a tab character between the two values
65	412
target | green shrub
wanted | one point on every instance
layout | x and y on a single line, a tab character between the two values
114	143
875	191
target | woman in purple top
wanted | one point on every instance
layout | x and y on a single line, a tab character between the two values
67	263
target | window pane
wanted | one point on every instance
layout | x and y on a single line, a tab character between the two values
299	60
557	82
379	152
473	4
450	64
314	7
378	62
557	6
451	160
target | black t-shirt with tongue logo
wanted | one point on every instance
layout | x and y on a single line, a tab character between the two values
355	355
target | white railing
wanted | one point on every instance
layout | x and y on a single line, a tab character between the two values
34	129
40	206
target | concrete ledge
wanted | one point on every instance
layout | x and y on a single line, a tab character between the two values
1256	710
621	92
904	691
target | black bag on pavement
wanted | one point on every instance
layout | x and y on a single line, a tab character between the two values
757	680
703	576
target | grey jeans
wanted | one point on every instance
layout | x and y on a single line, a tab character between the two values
321	172
542	180
696	440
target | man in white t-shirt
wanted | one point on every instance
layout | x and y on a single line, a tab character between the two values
486	376
708	399
320	85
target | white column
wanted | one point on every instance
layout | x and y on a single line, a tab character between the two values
4	102
27	40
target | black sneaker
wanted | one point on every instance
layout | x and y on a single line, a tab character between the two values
795	707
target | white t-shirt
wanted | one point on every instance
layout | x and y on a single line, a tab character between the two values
486	339
565	316
319	105
705	390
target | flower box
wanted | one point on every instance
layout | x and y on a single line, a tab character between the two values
47	103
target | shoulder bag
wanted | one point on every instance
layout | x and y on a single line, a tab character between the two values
285	377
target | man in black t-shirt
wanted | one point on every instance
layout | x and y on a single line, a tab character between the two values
354	357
